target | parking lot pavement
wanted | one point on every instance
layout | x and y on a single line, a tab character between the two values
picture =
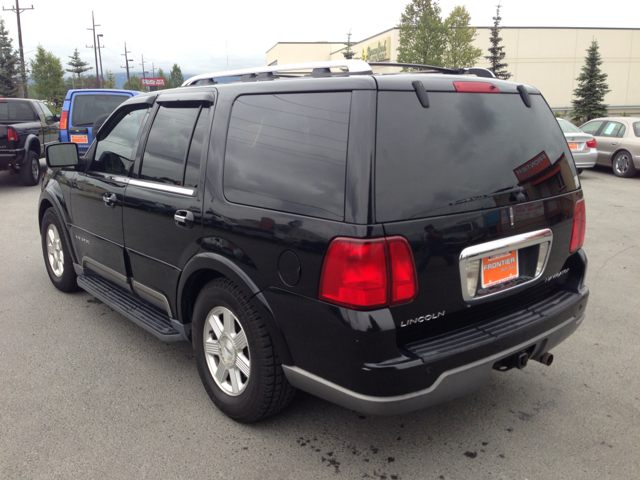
84	393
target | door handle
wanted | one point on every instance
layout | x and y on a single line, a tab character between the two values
614	143
110	199
184	219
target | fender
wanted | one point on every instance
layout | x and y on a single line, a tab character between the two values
52	195
31	139
217	263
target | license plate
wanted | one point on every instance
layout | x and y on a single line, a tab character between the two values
573	146
499	268
79	139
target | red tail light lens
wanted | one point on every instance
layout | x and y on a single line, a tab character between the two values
475	87
12	135
367	274
63	119
592	143
579	226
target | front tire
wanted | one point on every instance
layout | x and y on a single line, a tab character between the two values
30	170
235	356
57	256
623	165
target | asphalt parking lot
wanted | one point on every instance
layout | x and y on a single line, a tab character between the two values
85	393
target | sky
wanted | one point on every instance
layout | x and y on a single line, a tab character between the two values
204	36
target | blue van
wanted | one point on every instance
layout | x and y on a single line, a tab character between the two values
82	108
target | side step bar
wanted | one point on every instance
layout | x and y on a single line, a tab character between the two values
139	312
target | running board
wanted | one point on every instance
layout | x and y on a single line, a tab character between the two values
138	311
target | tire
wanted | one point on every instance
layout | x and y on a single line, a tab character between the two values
30	170
244	379
623	165
57	256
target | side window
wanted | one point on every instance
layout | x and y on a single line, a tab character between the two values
636	129
114	153
192	171
168	144
48	116
288	152
591	127
613	129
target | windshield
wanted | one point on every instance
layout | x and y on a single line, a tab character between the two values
466	152
87	108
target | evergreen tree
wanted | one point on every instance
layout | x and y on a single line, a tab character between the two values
460	52
166	80
592	87
348	53
9	65
175	76
47	74
423	36
133	83
110	79
497	55
78	67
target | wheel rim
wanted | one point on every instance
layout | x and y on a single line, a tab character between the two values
35	168
622	163
55	255
227	351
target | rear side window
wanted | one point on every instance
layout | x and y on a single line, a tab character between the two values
288	152
636	129
18	111
458	154
613	129
87	107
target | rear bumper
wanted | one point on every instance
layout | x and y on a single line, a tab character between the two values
11	157
585	159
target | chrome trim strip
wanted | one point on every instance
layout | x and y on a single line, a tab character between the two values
106	272
152	296
496	247
163	188
449	385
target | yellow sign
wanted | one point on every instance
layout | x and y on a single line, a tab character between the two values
378	51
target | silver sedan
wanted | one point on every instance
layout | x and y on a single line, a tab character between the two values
582	145
618	143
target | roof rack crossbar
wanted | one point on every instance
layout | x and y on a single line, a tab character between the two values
352	66
480	72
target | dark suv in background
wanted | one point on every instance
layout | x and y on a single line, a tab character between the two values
383	241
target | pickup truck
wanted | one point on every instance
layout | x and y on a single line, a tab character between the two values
26	128
82	108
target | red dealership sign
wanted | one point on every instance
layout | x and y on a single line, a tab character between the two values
152	82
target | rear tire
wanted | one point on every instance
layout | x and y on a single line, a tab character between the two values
235	356
30	170
623	165
57	256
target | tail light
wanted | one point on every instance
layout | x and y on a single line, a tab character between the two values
592	143
475	87
579	226
63	119
12	135
368	274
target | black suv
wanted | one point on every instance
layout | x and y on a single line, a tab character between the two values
382	241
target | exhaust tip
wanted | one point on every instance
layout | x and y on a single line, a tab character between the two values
546	359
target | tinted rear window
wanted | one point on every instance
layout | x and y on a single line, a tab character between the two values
452	156
87	108
288	152
18	111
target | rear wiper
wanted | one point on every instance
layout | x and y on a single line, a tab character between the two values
519	196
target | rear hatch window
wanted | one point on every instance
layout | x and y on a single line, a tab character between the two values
87	108
461	152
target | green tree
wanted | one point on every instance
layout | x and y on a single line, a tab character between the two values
460	52
497	55
110	79
133	83
175	76
78	67
166	80
47	75
423	35
348	53
9	65
592	87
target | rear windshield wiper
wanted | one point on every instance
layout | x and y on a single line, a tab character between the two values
519	195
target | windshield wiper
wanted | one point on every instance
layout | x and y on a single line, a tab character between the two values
519	197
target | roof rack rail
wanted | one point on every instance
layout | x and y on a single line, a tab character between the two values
318	69
480	72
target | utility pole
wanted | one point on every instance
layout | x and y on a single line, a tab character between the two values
143	72
126	59
153	69
18	11
95	50
100	55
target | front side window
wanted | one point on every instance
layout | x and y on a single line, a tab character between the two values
592	127
47	113
114	153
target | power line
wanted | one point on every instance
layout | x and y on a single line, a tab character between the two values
18	11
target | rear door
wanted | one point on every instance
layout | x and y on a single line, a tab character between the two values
609	139
85	108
